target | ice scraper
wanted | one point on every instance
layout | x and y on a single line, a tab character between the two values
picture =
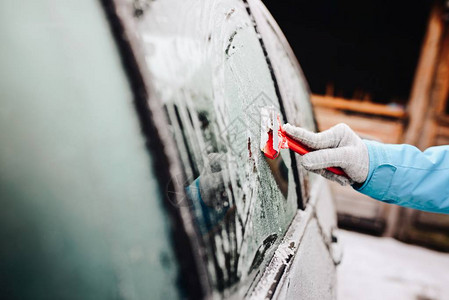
273	138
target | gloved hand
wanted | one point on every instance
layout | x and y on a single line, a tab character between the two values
338	146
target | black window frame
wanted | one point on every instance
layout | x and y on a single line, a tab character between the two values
188	248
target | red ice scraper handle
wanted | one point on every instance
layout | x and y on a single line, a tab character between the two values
287	142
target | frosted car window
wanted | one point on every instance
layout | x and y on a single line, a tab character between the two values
208	67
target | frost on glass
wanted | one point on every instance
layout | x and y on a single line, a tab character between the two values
292	84
208	67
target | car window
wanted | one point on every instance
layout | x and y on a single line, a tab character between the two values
208	66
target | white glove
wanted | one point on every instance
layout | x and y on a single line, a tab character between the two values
338	146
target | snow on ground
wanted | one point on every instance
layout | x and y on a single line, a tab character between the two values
384	268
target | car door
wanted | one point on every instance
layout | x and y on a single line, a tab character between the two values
213	65
211	73
81	178
130	157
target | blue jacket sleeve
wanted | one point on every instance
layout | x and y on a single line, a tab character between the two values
403	175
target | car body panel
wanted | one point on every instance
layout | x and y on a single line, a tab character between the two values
81	212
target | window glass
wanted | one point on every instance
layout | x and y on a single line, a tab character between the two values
208	67
292	84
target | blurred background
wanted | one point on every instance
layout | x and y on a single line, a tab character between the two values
383	68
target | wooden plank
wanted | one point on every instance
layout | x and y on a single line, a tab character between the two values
442	140
357	106
438	98
442	119
441	88
386	131
422	83
443	131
